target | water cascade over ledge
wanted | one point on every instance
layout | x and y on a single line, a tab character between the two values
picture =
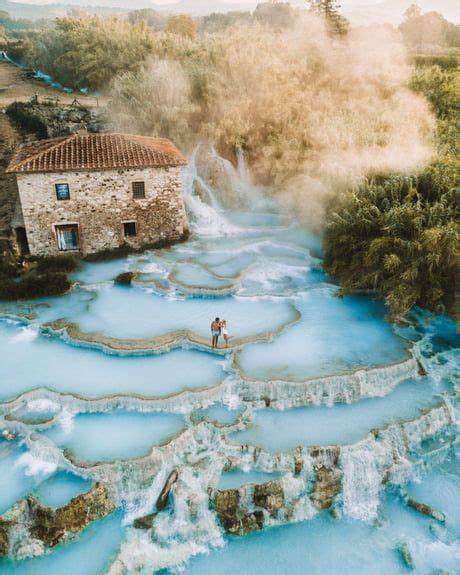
320	424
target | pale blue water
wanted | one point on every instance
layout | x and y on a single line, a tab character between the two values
90	554
97	374
334	336
149	315
272	267
15	483
334	547
60	488
341	424
115	435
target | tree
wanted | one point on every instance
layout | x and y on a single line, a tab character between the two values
182	25
278	15
429	28
329	9
156	20
89	51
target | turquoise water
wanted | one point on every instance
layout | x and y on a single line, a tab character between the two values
334	336
91	554
336	547
60	488
274	291
93	374
279	431
115	435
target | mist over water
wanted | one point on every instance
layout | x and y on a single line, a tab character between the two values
313	114
305	371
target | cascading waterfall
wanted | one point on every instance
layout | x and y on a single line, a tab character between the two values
206	218
301	483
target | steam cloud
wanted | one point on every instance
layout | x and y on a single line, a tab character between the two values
314	114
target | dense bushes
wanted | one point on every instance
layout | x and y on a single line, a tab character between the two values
34	285
399	234
45	277
89	51
64	264
20	114
387	235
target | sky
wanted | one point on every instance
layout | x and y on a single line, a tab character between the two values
358	11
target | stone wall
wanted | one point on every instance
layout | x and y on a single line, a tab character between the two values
99	203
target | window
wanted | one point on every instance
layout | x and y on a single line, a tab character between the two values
62	191
129	229
138	190
67	238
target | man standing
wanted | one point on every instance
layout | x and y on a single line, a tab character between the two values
215	331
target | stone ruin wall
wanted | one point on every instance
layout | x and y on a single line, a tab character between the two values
99	203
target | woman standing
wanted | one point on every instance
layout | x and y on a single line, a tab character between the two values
224	330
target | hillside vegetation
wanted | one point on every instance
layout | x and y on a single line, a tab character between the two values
355	128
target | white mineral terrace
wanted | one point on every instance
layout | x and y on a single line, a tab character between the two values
321	440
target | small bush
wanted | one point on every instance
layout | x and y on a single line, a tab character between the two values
8	270
64	263
19	113
35	285
125	278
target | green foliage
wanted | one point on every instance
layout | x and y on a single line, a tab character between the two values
218	21
63	263
89	51
21	115
34	285
444	61
154	19
7	270
330	9
278	15
386	236
400	234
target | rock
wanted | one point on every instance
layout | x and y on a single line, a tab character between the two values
298	462
426	510
145	522
4	539
406	556
270	496
51	526
162	500
235	520
226	502
250	522
50	119
328	476
125	278
421	368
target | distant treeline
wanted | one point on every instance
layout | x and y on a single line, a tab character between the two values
316	105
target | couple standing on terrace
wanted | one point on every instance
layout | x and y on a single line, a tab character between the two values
218	327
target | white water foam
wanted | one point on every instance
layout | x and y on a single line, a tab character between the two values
361	482
206	219
43	404
26	334
35	465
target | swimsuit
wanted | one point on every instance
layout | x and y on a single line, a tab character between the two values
215	333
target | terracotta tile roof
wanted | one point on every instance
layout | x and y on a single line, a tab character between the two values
102	151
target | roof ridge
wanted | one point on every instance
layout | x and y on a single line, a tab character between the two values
33	157
96	150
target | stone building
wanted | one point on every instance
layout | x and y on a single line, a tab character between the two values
86	193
